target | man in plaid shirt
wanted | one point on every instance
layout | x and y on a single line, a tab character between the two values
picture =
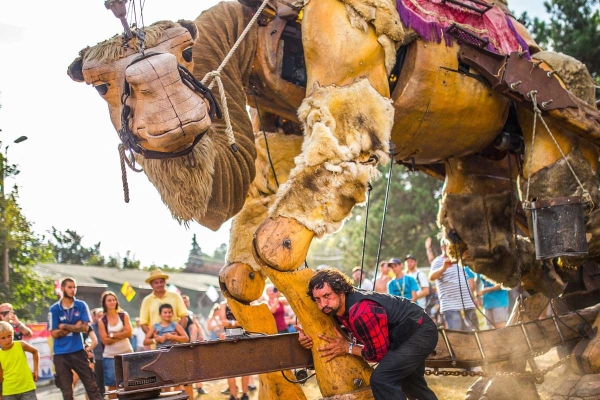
387	329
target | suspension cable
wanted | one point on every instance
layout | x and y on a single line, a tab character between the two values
362	259
385	204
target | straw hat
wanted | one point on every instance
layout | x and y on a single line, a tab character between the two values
156	274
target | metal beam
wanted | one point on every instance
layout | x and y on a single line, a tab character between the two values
148	371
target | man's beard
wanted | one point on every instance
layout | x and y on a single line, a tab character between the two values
329	310
66	296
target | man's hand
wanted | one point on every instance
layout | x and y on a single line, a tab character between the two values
447	263
428	243
336	346
35	376
304	339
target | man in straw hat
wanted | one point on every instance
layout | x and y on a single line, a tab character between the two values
149	314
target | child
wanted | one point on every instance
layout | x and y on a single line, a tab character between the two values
18	382
166	332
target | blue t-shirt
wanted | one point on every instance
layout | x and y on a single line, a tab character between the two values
495	299
73	342
163	330
403	287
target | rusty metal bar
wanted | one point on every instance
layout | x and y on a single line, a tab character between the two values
147	371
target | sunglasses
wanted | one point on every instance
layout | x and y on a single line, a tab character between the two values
4	313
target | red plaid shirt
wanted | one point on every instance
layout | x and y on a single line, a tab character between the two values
367	321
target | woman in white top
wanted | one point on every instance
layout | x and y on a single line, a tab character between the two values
115	330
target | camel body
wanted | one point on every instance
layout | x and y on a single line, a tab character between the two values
441	118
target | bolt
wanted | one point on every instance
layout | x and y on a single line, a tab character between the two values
357	382
287	243
515	85
545	104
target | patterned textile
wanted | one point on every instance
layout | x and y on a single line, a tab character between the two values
431	18
368	322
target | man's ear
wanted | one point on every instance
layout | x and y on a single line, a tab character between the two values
190	26
75	70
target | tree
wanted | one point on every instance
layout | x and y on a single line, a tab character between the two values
28	292
68	249
129	261
573	29
220	252
410	219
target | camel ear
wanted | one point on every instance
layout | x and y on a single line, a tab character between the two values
75	70
190	26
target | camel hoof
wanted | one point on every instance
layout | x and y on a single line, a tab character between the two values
242	282
281	243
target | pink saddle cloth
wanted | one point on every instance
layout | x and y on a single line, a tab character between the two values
431	18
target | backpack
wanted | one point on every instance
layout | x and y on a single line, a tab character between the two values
105	320
431	297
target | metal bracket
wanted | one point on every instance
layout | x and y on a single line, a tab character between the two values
515	76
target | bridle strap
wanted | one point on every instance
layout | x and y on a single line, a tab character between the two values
132	142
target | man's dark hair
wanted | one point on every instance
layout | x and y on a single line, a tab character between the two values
66	280
337	281
163	306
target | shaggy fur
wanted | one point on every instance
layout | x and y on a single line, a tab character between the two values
344	126
382	14
574	74
184	188
283	148
556	180
112	49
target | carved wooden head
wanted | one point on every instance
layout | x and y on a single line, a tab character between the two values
166	114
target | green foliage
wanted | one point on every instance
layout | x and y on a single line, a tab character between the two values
68	249
27	291
573	29
129	261
411	218
220	252
164	268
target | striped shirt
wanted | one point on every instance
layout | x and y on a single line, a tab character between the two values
451	285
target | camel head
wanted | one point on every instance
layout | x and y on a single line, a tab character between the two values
155	104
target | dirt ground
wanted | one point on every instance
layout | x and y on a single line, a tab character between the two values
446	388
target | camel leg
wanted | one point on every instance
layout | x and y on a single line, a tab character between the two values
476	217
552	178
347	118
241	278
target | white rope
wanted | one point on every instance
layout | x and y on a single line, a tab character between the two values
537	112
216	74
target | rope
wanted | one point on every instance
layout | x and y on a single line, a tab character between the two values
536	112
362	259
216	75
385	204
262	128
228	128
513	225
124	172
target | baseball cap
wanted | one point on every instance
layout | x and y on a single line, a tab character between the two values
410	256
395	261
357	268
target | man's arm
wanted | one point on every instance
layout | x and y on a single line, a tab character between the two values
54	326
430	256
437	274
181	311
79	327
25	331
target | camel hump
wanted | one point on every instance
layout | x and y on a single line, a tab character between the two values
573	72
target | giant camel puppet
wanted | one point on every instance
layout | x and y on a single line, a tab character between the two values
356	75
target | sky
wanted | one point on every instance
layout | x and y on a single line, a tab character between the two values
70	174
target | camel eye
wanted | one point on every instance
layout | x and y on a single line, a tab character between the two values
187	54
102	89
